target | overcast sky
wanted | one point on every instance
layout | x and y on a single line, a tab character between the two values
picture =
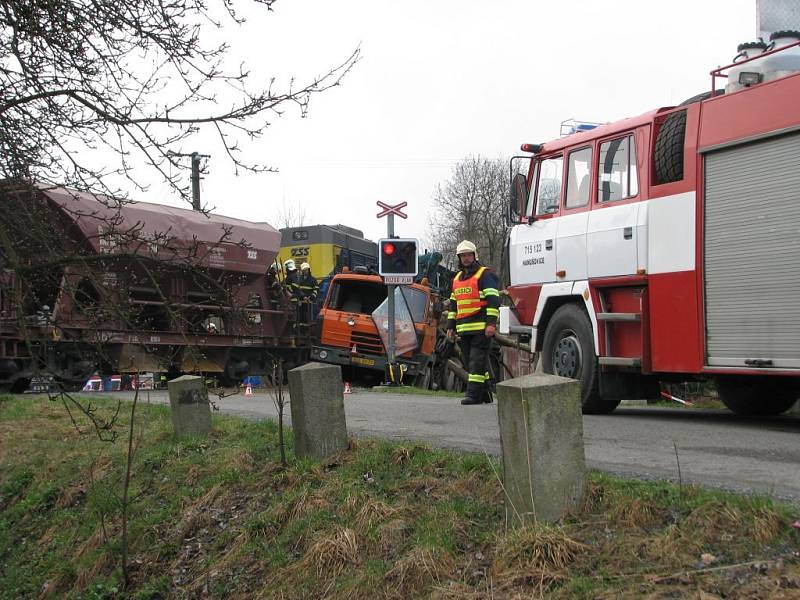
441	80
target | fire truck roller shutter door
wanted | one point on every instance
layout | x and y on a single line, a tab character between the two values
751	249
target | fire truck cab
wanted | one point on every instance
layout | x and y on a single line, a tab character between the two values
666	247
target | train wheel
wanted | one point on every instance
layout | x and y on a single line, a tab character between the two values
758	396
20	385
70	386
568	351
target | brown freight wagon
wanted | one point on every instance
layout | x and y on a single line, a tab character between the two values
88	283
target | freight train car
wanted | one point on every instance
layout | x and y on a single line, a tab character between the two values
90	283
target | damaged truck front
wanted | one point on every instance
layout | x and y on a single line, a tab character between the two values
353	326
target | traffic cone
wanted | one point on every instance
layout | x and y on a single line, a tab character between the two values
248	391
347	389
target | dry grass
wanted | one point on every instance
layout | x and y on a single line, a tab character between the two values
241	461
669	548
402	455
197	515
353	502
535	556
92	543
633	513
292	479
101	565
716	520
391	536
418	570
193	475
306	504
710	524
372	512
427	487
456	590
766	526
48	536
331	554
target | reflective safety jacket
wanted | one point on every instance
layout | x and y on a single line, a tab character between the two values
475	301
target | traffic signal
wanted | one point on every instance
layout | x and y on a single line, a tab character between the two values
398	256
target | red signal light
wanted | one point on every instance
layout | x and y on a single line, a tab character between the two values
388	249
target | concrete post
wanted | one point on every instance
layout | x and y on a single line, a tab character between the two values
317	405
541	437
188	400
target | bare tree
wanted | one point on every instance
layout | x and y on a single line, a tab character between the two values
97	99
280	399
291	216
472	205
90	91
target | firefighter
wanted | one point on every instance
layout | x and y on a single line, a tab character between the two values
291	282
473	312
309	288
274	287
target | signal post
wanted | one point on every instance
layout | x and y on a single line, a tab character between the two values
397	264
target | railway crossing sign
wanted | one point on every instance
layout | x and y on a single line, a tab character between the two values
391	279
389	210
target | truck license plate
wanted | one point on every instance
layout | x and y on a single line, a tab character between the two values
367	362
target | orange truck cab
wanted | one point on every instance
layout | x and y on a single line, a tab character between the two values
348	334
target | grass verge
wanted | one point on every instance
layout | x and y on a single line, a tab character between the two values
219	517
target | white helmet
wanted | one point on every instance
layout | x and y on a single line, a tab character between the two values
467	246
305	266
289	265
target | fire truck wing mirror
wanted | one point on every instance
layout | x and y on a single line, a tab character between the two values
519	195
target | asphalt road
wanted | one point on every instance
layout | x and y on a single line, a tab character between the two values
715	448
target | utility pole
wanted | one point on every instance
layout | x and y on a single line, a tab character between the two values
195	181
195	177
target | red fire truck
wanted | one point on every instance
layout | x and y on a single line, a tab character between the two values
666	247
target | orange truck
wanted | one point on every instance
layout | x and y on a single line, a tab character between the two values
348	333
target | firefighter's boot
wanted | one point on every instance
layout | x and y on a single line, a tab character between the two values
470	400
474	393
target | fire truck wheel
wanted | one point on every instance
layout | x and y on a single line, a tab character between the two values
669	148
757	396
568	351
